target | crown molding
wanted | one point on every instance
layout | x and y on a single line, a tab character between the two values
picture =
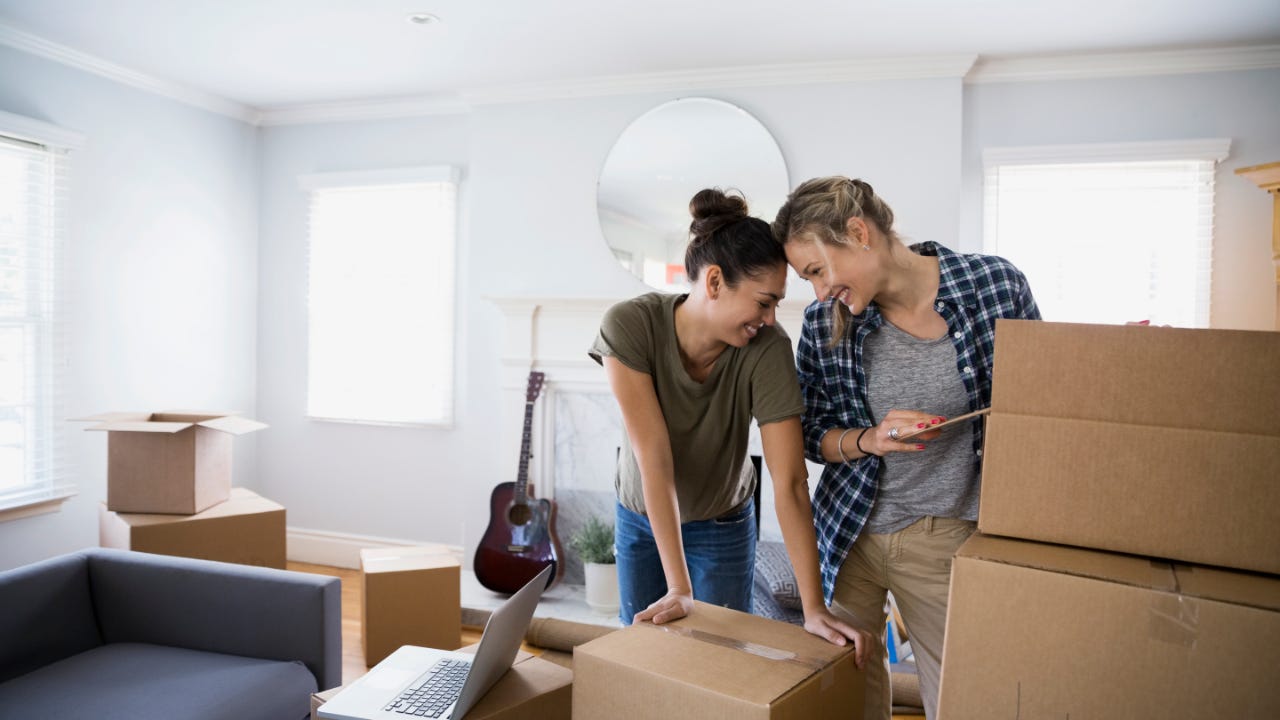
904	68
973	69
1126	64
35	45
381	109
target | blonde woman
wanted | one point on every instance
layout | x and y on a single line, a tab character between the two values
900	338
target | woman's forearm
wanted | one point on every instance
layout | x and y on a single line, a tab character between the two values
795	516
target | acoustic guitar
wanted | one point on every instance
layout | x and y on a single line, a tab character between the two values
521	537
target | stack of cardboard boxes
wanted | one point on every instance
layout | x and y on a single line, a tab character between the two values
169	489
1129	549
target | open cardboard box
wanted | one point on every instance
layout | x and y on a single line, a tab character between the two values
1047	631
1162	442
715	663
176	461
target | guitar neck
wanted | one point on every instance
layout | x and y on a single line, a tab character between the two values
522	479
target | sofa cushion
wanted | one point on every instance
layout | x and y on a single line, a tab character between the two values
48	614
126	681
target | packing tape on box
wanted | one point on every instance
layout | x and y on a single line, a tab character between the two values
756	649
1174	618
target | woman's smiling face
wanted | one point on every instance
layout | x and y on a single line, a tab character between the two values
751	304
845	272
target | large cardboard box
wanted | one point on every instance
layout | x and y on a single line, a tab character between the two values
1046	631
176	461
1162	442
715	664
246	529
412	596
533	689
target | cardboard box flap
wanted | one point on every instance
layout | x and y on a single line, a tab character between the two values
141	426
232	424
1237	588
409	557
721	651
400	563
1222	380
1111	567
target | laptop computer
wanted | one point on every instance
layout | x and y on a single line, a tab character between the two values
416	682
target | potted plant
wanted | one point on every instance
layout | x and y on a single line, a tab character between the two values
594	544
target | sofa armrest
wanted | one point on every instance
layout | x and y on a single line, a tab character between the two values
45	614
219	607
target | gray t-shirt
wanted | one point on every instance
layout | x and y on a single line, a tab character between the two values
907	373
707	422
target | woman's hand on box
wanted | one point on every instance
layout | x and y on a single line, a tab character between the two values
672	606
838	632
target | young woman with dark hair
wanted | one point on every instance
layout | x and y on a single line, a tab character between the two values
690	372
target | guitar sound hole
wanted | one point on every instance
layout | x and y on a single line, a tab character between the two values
519	514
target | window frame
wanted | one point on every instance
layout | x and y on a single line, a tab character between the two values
370	178
47	494
1212	150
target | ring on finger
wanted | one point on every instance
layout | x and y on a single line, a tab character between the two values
893	433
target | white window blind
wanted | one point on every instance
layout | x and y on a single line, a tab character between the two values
381	296
33	225
1110	233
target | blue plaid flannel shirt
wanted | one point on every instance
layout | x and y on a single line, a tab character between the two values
973	291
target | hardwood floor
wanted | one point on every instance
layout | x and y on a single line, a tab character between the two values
353	654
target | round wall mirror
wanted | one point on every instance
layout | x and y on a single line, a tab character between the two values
661	160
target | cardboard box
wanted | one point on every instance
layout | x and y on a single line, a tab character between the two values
1046	631
177	461
532	690
715	663
1162	442
246	529
412	596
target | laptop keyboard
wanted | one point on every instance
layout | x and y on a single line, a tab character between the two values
434	692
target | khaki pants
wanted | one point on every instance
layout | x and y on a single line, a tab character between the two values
915	565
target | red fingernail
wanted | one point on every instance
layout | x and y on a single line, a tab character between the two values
919	447
919	425
936	421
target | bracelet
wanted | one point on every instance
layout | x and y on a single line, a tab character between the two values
840	445
858	441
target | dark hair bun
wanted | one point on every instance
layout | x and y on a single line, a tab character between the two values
712	209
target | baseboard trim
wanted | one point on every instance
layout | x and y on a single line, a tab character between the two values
321	547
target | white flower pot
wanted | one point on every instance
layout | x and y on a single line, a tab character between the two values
602	587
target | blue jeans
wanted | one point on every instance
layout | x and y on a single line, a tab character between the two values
720	554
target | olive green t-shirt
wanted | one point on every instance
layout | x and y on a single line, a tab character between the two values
707	422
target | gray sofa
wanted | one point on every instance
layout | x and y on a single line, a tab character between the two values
109	634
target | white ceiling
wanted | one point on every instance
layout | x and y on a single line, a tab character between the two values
278	53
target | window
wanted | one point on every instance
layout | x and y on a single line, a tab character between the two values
1108	233
34	473
381	296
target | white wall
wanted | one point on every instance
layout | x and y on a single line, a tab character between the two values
1242	106
162	271
529	179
